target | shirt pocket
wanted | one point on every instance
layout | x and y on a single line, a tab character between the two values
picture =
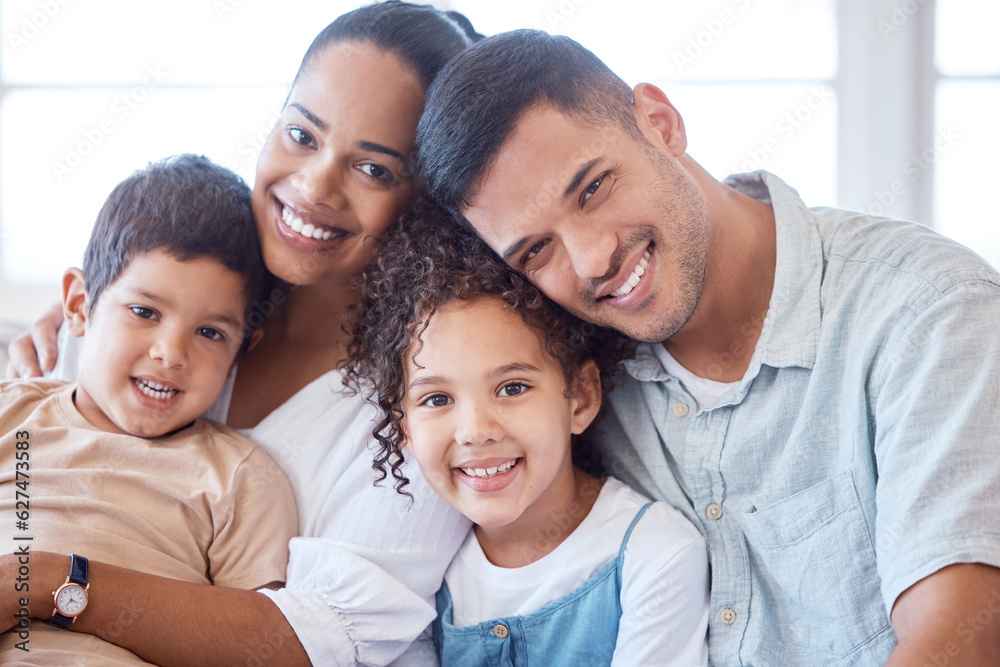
816	568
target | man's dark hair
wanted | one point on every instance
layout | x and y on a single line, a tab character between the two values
421	36
426	261
188	207
476	100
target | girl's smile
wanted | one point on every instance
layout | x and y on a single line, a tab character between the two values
489	417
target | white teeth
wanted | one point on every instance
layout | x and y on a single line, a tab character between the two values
155	390
633	278
306	229
489	472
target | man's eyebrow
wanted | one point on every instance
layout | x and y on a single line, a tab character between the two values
379	148
513	249
578	177
310	116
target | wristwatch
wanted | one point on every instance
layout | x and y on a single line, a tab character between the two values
71	598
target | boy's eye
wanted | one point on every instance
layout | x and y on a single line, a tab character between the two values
300	136
211	334
143	312
436	401
513	389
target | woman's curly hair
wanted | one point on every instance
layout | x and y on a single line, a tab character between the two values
425	261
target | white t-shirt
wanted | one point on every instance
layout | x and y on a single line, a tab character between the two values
664	594
705	392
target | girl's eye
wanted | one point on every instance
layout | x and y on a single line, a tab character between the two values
436	401
513	389
593	188
211	334
376	171
143	312
300	136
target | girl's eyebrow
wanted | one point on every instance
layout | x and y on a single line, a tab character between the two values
427	379
513	368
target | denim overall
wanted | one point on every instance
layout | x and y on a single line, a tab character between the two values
580	628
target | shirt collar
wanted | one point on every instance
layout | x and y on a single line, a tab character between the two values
790	333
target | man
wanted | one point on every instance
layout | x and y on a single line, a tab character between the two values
820	392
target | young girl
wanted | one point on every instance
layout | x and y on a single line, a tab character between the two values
484	382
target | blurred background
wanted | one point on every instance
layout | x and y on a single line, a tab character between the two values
886	106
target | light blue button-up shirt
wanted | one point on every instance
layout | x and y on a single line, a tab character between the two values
860	452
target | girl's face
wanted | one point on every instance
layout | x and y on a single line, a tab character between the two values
488	417
334	171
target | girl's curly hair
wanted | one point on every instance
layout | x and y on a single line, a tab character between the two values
425	261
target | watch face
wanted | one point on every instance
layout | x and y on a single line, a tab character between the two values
71	600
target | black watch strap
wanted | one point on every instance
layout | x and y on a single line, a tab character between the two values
79	573
79	569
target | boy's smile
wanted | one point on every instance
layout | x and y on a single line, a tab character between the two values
489	418
159	343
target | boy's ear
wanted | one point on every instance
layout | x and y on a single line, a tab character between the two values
255	337
585	396
658	120
75	301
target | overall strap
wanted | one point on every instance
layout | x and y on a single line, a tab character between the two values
621	550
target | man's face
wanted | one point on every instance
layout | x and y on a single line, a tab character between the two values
609	226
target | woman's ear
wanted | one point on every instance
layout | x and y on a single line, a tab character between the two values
75	302
658	120
585	396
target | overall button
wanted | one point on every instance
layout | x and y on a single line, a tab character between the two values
680	410
500	631
713	511
728	616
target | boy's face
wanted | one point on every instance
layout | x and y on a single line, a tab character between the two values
158	345
487	415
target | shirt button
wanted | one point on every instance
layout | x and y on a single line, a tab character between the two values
680	410
713	511
501	631
728	616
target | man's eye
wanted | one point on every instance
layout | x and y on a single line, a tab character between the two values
593	188
211	334
532	252
143	312
513	389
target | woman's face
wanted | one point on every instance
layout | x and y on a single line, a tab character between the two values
334	171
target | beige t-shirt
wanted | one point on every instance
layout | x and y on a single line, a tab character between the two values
203	505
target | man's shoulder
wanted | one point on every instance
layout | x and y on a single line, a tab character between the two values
894	253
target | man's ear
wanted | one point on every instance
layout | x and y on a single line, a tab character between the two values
75	302
585	396
658	120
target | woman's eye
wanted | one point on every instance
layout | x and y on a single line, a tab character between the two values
513	389
300	136
376	171
593	188
436	401
143	312
211	334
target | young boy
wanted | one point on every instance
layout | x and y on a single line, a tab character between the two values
119	467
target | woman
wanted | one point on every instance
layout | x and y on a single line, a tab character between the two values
332	175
